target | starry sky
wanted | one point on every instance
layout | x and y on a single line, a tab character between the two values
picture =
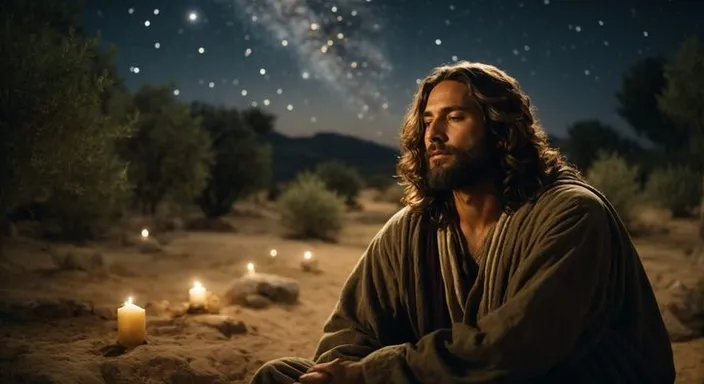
351	66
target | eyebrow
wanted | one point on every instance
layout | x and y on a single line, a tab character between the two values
448	109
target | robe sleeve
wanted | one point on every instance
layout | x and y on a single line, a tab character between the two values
365	311
559	288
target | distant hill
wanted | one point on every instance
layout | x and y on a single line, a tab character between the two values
295	154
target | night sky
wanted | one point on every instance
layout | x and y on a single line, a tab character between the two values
351	66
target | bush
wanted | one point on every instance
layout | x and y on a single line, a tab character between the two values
392	194
677	188
309	210
618	181
342	179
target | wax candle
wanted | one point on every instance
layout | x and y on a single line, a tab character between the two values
131	325
308	264
250	268
197	295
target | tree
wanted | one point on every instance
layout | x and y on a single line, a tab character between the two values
341	179
55	143
683	101
169	155
638	105
259	121
242	164
586	138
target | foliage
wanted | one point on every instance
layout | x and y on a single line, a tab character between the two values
677	188
341	179
638	104
683	101
242	164
169	154
309	210
261	122
586	138
54	139
379	182
616	179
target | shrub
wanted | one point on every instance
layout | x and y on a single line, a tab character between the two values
309	210
342	179
677	188
618	181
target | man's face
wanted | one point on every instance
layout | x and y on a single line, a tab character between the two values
455	139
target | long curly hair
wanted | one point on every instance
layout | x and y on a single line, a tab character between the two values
527	162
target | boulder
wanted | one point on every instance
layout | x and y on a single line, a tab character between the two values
277	289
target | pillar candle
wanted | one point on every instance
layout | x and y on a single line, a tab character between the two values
131	325
197	295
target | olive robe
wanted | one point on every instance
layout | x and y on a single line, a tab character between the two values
558	295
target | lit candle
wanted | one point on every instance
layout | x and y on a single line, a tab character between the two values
308	264
145	234
131	325
250	268
273	253
197	295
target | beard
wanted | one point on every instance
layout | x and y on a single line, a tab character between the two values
461	168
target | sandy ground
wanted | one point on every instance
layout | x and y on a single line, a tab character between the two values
74	344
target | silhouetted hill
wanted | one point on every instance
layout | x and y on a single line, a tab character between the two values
295	154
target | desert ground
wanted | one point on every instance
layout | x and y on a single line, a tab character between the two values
58	315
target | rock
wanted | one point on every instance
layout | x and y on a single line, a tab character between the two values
256	301
149	245
226	325
277	289
677	330
105	313
78	261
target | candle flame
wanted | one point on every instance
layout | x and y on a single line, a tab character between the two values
145	233
273	253
197	284
129	301
308	255
250	267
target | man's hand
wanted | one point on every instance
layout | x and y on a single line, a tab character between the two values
337	371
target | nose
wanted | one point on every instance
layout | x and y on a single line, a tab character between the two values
435	132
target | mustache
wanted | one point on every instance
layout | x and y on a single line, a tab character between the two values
439	149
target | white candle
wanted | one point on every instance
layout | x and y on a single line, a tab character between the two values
145	234
131	325
250	268
308	264
197	295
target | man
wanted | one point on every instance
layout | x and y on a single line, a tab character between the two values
504	266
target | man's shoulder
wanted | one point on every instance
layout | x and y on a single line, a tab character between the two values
576	197
402	221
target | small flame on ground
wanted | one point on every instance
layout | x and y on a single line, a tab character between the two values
308	255
145	233
250	267
273	253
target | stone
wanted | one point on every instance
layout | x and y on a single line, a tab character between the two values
256	301
224	324
149	245
277	289
78	261
677	330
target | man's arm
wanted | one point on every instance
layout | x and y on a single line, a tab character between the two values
554	294
368	301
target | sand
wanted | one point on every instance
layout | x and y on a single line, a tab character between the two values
58	324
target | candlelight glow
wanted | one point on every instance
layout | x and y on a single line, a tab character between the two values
145	233
197	285
250	267
308	255
129	301
273	253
